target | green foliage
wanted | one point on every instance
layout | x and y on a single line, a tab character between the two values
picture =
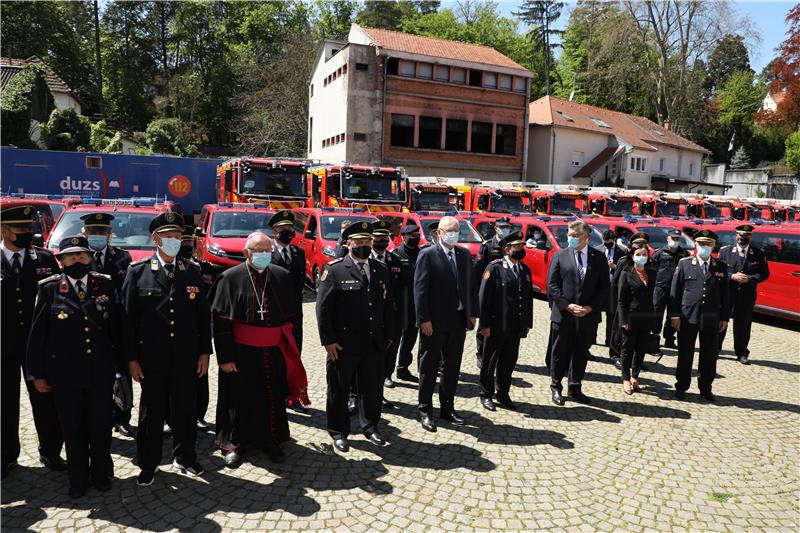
729	56
105	140
793	151
388	14
67	131
170	136
740	159
541	16
333	18
25	97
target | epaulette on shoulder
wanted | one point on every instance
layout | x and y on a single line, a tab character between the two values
51	278
487	242
726	247
685	258
339	260
496	261
140	261
100	275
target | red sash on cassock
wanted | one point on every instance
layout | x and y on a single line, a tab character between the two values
281	337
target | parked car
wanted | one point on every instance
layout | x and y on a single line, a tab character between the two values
780	294
223	230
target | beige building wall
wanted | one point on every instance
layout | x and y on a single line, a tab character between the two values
327	105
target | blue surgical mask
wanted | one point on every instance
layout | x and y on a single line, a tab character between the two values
97	242
260	260
672	244
503	232
704	251
573	242
450	238
640	260
170	246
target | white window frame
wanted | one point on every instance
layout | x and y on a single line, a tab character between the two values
407	69
638	164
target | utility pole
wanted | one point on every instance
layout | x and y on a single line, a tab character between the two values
98	70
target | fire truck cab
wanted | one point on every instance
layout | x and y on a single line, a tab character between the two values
564	203
434	197
374	189
499	199
273	182
730	206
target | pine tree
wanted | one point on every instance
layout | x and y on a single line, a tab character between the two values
740	159
541	15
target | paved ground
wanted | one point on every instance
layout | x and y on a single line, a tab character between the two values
623	463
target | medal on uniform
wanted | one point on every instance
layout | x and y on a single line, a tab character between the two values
82	295
62	315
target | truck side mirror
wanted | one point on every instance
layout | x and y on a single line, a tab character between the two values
541	245
309	234
199	232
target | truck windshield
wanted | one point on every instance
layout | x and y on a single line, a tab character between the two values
360	185
738	213
431	201
287	182
332	225
712	211
239	223
508	204
128	230
619	208
466	233
668	209
563	206
658	237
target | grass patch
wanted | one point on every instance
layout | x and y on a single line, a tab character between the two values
721	497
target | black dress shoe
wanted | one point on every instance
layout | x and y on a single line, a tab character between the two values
679	394
233	459
202	424
375	438
452	418
709	396
506	402
428	424
55	463
352	405
579	397
387	404
124	429
488	404
670	343
103	484
643	368
405	375
617	363
275	454
388	383
77	492
192	468
743	359
590	357
342	445
146	477
557	398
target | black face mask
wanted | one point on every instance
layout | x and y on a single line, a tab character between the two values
286	236
413	242
77	270
609	244
743	241
186	252
23	240
361	252
519	255
380	245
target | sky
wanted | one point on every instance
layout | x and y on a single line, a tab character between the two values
768	18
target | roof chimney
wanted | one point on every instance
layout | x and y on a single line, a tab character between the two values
666	125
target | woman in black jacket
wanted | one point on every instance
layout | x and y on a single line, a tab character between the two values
637	318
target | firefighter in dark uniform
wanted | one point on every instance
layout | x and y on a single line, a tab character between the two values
747	267
113	261
666	259
698	305
489	251
167	341
354	312
293	259
506	300
408	251
73	354
208	274
23	266
341	243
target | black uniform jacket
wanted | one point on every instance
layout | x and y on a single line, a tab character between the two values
75	344
405	302
506	300
297	269
565	287
697	298
115	264
167	322
436	291
754	264
352	311
666	260
635	302
488	252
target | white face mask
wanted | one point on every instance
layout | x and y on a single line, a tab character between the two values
450	238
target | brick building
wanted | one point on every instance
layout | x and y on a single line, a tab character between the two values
434	107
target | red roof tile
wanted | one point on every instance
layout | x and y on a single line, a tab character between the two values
430	46
55	83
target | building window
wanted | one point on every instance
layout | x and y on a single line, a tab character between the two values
430	132
691	169
362	66
482	137
505	139
661	163
490	80
577	158
442	73
639	164
310	132
456	135
600	122
425	71
360	137
391	66
402	133
565	116
520	85
407	68
459	76
504	82
475	78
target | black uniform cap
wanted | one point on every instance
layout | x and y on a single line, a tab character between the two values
433	226
674	233
97	220
502	221
18	215
705	235
745	228
188	233
358	230
381	228
72	244
409	229
167	221
281	218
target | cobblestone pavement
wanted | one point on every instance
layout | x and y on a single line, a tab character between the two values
622	463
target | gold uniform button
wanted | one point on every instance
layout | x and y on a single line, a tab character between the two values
89	350
170	298
171	310
22	323
171	334
19	301
85	329
88	341
171	322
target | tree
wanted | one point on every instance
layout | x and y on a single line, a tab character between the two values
786	71
740	159
103	139
541	15
334	17
729	56
66	130
739	99
387	14
170	136
793	151
25	99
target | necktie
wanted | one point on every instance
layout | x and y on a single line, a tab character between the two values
98	259
380	258
286	255
170	271
705	269
15	264
363	267
515	270
80	291
453	266
581	271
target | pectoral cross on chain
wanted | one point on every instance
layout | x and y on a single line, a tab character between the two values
261	312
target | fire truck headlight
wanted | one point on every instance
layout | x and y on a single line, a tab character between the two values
214	249
327	250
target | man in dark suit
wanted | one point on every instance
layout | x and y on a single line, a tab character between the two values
666	259
698	306
446	299
409	251
747	267
293	259
23	266
613	253
578	287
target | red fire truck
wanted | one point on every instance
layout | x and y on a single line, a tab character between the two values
568	202
614	204
493	198
274	182
375	189
434	197
730	206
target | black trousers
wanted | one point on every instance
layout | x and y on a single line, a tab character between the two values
86	422
501	350
571	340
707	363
202	397
122	416
407	340
479	342
365	370
634	344
167	394
742	313
660	299
297	332
446	345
